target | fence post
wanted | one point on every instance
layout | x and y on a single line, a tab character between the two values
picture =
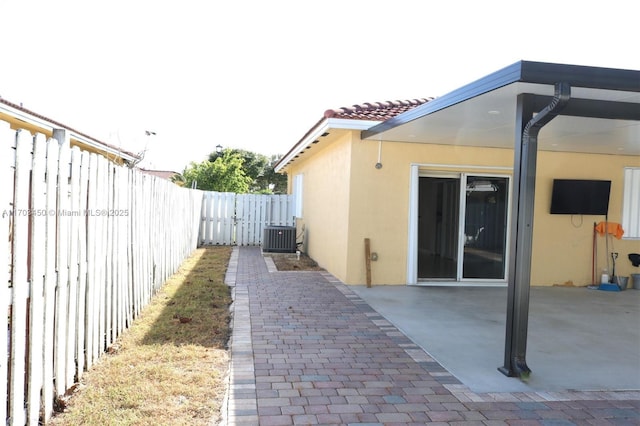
38	258
7	140
74	224
20	283
81	341
48	391
62	261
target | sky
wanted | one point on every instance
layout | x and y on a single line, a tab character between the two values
257	75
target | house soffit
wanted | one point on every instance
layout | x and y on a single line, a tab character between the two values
487	119
327	132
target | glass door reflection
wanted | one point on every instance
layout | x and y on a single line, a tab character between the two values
485	227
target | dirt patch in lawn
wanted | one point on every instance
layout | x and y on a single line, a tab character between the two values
290	262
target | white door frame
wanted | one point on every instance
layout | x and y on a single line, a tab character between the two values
418	169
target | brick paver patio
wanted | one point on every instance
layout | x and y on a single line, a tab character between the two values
306	350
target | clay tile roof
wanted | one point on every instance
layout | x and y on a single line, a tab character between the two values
377	111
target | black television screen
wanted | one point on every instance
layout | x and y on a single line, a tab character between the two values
574	196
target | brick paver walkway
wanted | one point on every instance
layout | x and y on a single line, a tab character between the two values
307	350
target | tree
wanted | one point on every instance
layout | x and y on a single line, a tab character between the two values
260	169
225	174
278	180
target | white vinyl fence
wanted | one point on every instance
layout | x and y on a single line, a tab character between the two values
239	219
89	242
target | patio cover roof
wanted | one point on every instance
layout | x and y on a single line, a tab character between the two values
572	108
603	115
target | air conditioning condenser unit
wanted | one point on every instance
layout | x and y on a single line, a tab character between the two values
279	239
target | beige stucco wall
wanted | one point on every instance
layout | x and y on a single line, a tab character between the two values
326	203
346	199
562	244
380	200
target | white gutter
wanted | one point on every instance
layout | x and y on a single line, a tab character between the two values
49	126
325	126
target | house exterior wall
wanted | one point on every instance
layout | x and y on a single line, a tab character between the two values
325	204
562	244
346	199
380	200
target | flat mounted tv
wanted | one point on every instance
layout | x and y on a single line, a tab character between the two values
576	196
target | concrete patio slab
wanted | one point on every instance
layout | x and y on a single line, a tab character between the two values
579	339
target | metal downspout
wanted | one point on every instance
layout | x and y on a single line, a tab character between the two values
522	233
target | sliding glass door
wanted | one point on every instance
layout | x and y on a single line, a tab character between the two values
462	227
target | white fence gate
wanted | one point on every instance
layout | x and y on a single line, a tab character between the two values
84	244
239	219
